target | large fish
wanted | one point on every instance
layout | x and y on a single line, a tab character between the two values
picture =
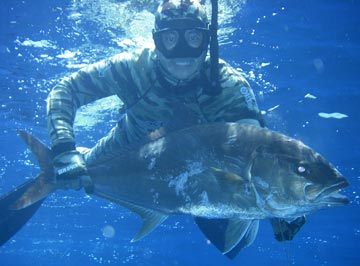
226	175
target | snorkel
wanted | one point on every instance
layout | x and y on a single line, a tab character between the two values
214	51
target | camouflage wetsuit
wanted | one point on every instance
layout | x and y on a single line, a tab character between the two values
151	101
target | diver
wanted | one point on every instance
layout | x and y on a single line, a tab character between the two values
163	89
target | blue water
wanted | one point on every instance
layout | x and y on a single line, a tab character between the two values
287	49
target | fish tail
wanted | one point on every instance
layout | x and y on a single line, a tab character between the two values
21	203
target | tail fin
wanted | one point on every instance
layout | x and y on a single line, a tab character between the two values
20	204
12	220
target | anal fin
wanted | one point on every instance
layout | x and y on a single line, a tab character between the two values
151	218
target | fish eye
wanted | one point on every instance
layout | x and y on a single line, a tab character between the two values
302	169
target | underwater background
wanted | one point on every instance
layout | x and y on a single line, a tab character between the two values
302	59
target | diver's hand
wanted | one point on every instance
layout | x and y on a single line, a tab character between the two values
70	169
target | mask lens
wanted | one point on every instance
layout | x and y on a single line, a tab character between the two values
170	39
181	42
194	38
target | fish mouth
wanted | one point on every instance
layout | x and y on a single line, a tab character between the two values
329	196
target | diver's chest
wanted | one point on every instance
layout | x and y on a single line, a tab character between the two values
184	110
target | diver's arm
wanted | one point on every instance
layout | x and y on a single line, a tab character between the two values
118	75
63	101
89	84
123	75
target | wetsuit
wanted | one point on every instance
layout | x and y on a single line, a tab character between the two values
152	101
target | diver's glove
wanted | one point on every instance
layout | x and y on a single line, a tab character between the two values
70	169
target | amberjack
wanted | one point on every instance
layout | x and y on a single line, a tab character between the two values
228	176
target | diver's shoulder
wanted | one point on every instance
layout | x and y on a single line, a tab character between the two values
228	75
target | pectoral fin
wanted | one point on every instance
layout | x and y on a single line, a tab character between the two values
227	176
229	235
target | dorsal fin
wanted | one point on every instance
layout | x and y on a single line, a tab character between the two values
229	235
